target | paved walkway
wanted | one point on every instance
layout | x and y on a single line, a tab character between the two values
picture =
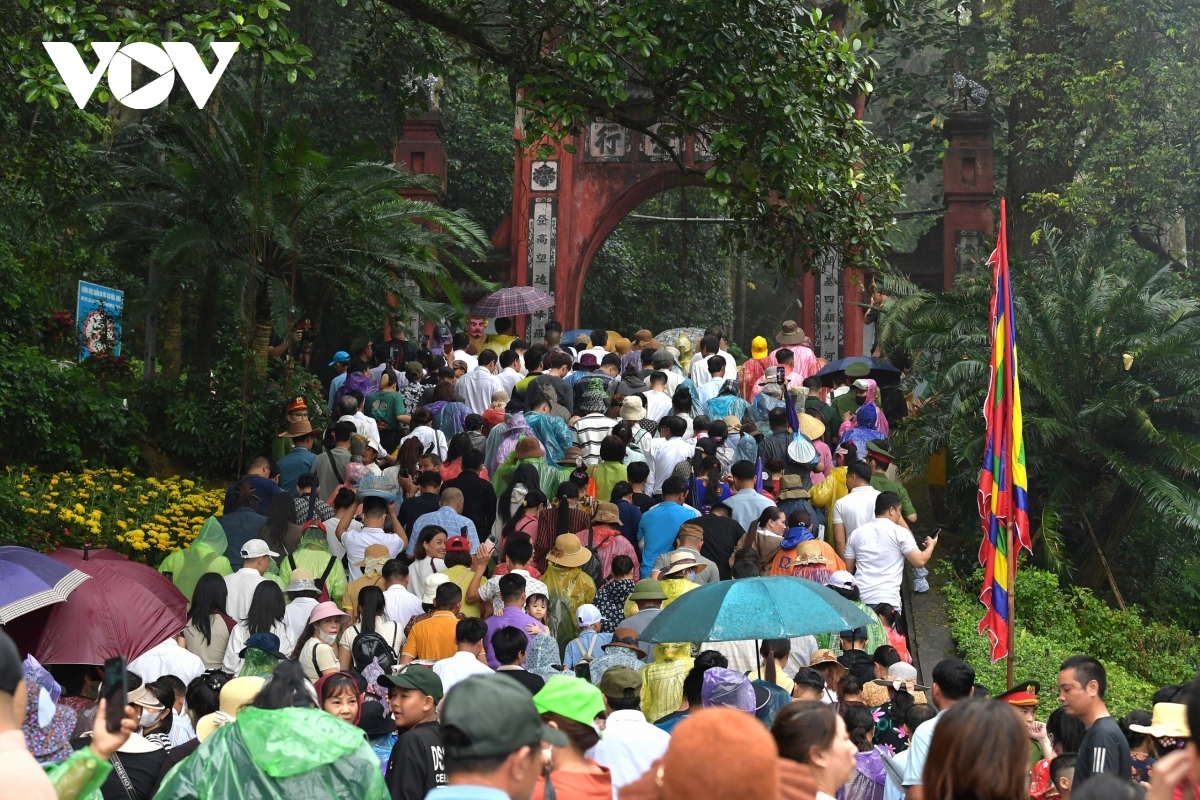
929	627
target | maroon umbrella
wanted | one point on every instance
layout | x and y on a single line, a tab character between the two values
125	609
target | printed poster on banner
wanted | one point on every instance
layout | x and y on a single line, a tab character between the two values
98	319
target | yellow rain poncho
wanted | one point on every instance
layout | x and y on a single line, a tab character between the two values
206	553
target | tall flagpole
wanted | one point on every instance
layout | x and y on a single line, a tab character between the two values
1012	600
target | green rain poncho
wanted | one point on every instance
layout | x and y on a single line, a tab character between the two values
206	553
279	754
313	555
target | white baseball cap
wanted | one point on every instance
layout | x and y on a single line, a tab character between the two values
257	548
841	579
587	614
861	384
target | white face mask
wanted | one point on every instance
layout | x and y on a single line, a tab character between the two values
148	718
327	638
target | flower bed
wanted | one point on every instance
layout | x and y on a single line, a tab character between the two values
144	518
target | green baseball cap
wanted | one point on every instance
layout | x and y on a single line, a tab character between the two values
487	716
574	698
619	682
648	589
415	676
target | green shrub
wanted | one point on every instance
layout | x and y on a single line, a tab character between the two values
1054	623
56	413
201	424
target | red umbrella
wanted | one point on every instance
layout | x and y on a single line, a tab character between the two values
124	610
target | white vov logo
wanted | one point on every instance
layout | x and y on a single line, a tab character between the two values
166	60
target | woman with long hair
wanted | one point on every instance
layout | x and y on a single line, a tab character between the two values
709	484
453	414
524	519
428	552
208	628
451	468
158	699
564	516
279	531
811	733
775	654
953	768
870	776
372	618
267	609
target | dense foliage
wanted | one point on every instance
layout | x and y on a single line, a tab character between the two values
1110	390
1054	623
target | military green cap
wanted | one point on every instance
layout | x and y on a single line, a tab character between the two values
648	589
857	369
877	449
489	716
620	682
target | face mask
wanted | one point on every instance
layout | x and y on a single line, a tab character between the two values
327	638
860	399
148	718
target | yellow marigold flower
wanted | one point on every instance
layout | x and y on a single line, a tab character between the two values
79	509
122	524
24	494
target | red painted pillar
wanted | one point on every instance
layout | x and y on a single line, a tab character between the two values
968	184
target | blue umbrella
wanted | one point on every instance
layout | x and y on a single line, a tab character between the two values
30	580
780	607
881	371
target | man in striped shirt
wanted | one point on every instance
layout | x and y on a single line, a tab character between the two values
591	428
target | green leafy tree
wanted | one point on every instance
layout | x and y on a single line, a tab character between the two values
231	199
771	87
1110	386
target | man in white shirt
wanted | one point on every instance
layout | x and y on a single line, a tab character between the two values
375	510
478	385
400	604
240	586
856	508
876	552
630	744
711	345
302	594
666	450
664	362
469	660
658	403
599	346
953	681
167	658
510	371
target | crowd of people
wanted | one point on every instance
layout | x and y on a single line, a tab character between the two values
446	593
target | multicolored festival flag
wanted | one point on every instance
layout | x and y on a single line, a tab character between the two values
1003	482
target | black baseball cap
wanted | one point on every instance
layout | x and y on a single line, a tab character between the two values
807	676
494	716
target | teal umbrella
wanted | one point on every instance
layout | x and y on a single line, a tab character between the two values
754	608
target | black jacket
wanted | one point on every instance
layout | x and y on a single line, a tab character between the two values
861	665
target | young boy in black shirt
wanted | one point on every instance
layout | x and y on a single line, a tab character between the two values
416	764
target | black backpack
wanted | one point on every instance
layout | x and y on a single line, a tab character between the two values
370	646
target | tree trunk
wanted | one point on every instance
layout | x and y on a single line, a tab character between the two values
206	313
151	325
1039	137
260	341
173	332
1111	524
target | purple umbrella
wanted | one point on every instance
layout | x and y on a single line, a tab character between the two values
513	301
30	580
